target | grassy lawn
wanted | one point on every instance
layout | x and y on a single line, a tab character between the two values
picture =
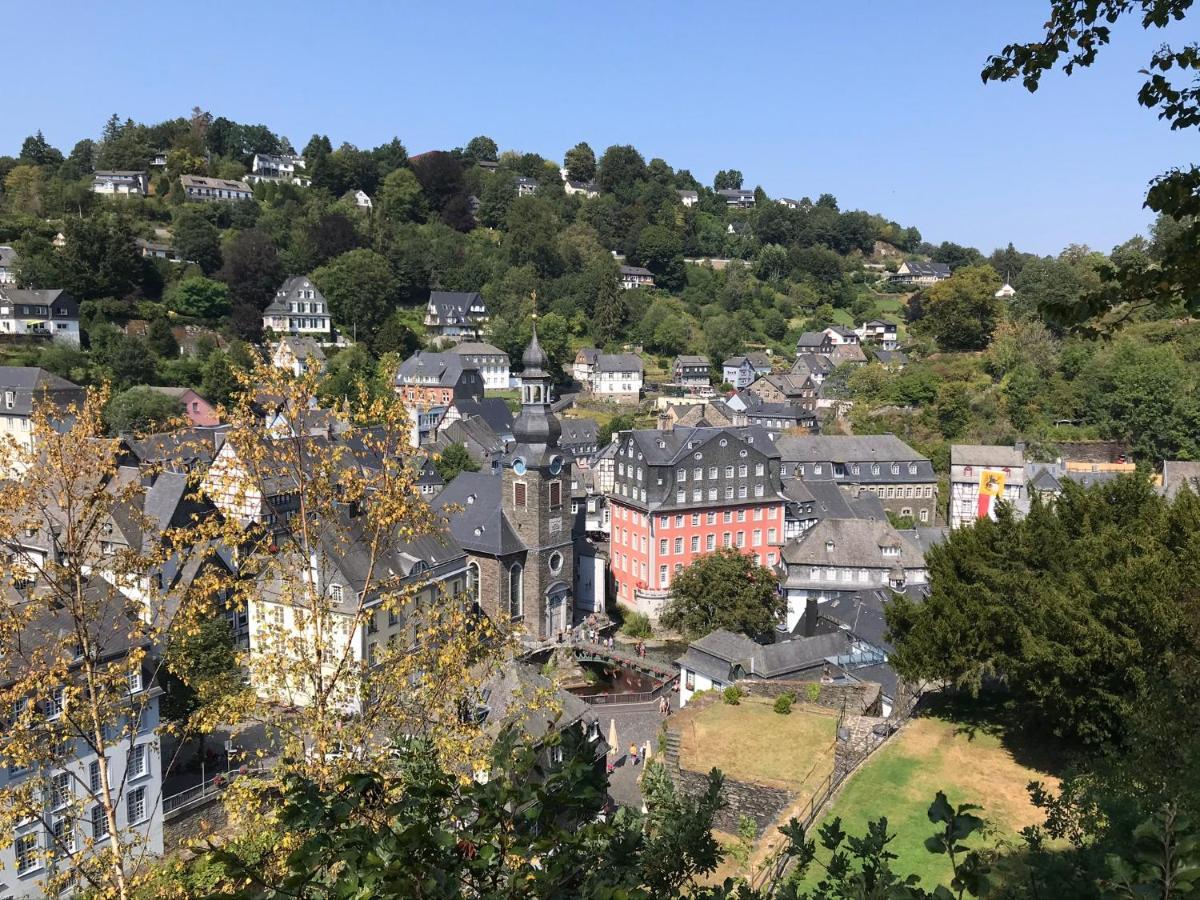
933	754
752	742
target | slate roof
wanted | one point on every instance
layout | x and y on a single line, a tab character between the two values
882	448
478	522
221	183
735	362
477	348
717	653
759	360
857	543
27	381
185	447
61	305
682	442
691	361
303	348
445	369
636	270
619	362
587	355
928	269
492	410
579	431
510	697
813	363
986	455
891	357
1176	473
453	306
849	353
813	339
290	290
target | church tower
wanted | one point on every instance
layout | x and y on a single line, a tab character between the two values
536	499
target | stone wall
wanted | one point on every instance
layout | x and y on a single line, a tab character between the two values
859	698
758	802
194	824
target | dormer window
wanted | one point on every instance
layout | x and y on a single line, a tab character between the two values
829	546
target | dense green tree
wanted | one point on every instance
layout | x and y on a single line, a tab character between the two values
389	157
36	151
361	291
725	589
619	170
100	258
199	297
140	410
1081	607
400	197
956	256
1145	395
728	179
197	240
610	309
963	311
496	200
580	162
453	461
161	339
253	271
440	175
660	250
481	148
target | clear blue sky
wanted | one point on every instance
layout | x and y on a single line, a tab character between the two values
878	102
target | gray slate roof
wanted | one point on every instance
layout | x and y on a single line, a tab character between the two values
759	660
619	362
857	543
682	442
27	382
478	522
1176	473
986	455
444	368
846	448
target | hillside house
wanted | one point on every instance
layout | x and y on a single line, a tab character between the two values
583	369
920	273
8	265
738	371
199	411
635	277
298	355
618	377
736	198
884	335
688	198
491	361
455	315
39	313
286	168
691	372
214	190
120	184
299	309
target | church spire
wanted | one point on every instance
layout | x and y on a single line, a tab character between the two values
536	426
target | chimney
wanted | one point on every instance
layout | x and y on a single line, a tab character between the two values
810	617
664	421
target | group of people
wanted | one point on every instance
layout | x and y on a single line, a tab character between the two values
664	706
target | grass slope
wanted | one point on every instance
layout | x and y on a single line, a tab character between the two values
933	754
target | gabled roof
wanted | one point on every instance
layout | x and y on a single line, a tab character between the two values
493	411
303	348
454	306
444	368
735	362
214	183
478	522
59	303
619	362
579	431
665	448
847	448
636	270
477	348
759	360
688	360
28	382
587	355
986	455
813	339
928	269
763	660
290	290
853	543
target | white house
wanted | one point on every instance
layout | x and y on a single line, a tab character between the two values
492	362
298	308
636	276
717	660
583	369
737	198
28	312
8	265
282	167
840	556
879	332
839	336
457	315
526	185
1006	292
618	377
120	184
362	199
212	190
981	475
298	355
921	273
738	371
688	198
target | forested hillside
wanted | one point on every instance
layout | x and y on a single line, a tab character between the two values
980	367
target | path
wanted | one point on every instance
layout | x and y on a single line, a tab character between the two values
636	723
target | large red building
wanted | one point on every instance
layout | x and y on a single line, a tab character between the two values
681	493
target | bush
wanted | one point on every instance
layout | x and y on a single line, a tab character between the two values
733	695
783	704
813	692
635	624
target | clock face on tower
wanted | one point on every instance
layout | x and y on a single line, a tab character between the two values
519	465
556	465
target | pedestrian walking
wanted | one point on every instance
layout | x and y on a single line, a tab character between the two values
633	753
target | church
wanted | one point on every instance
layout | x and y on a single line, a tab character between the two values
516	526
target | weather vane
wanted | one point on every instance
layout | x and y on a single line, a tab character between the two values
533	294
